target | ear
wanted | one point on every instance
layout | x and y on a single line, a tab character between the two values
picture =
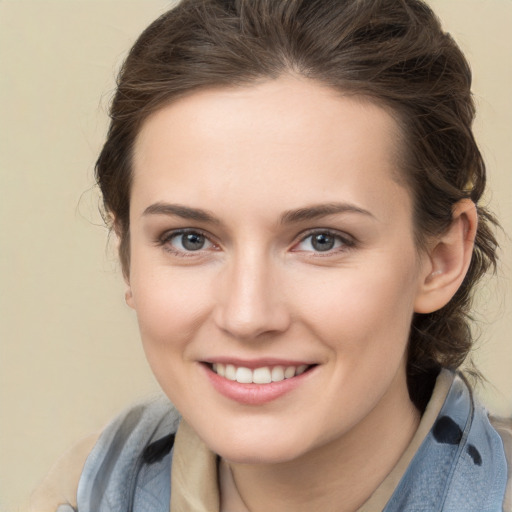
128	296
447	260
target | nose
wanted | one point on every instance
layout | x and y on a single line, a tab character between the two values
251	304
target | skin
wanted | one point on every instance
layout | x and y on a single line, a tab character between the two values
259	288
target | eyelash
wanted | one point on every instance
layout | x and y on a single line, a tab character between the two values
166	238
347	242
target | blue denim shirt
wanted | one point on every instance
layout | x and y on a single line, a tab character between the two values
459	467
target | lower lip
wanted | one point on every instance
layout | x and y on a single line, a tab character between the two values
254	394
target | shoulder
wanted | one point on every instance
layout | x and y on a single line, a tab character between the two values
460	464
131	460
485	458
504	428
482	461
59	486
142	435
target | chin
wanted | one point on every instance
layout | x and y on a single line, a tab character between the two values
267	449
258	456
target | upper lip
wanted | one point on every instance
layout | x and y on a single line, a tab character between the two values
256	363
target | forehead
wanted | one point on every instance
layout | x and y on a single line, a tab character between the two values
291	139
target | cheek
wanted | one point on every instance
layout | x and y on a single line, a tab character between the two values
361	309
170	307
170	311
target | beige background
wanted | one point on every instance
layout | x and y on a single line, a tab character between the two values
69	353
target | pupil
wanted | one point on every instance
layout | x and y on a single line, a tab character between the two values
323	242
192	241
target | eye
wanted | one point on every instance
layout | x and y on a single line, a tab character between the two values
323	241
186	241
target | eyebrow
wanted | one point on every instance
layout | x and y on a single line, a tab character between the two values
288	217
321	210
178	210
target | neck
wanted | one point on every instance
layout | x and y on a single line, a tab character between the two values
341	475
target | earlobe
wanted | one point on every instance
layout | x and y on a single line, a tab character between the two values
128	297
448	259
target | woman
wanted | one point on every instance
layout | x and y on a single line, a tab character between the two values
294	186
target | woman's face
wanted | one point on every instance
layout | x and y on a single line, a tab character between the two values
271	241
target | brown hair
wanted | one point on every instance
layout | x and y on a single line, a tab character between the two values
393	52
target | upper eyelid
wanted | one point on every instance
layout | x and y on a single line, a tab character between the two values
167	235
334	232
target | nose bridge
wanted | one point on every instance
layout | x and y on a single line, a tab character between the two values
251	303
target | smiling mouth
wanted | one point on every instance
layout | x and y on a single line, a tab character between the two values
262	375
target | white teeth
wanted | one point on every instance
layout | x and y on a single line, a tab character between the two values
230	372
263	375
277	373
243	375
220	370
301	369
289	372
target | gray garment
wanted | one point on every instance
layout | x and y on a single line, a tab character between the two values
129	468
459	467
